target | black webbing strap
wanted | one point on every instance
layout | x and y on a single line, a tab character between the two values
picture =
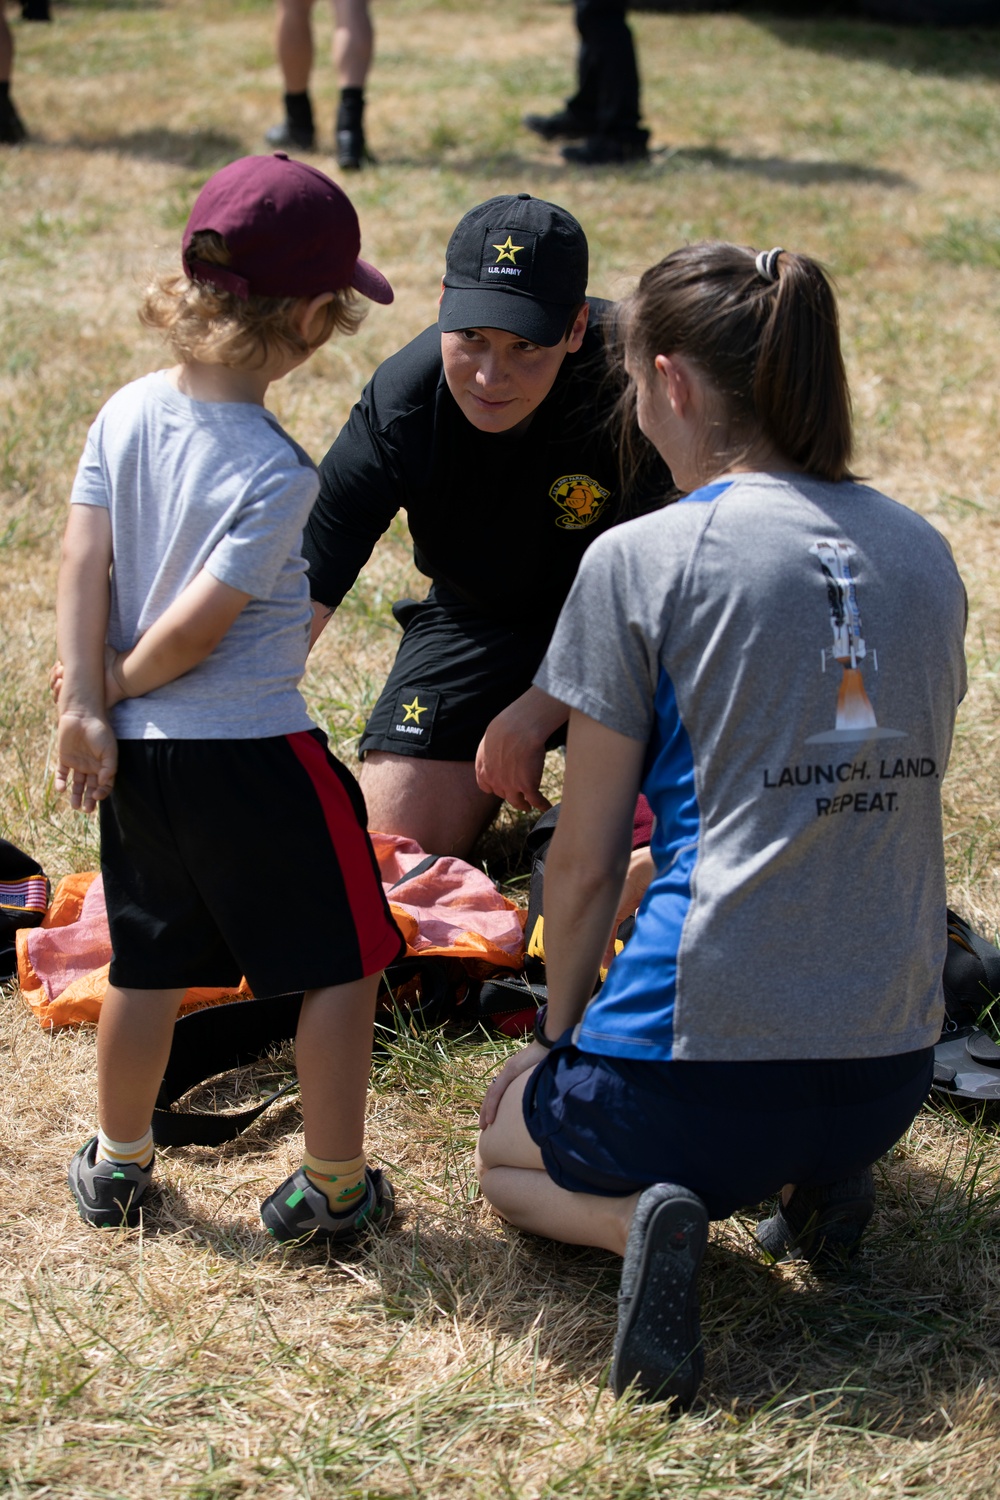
212	1041
217	1039
418	869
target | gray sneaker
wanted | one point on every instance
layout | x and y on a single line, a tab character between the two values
298	1212
107	1193
822	1225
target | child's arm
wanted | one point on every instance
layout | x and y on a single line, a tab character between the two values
87	749
184	635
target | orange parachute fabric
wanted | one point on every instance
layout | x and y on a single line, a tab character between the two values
450	909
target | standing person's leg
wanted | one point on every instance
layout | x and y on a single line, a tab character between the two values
578	116
609	86
12	131
585	104
353	45
334	1194
333	1054
110	1174
294	46
340	927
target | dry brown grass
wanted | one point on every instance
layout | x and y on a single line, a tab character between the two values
457	1359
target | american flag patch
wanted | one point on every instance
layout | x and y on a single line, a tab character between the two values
29	894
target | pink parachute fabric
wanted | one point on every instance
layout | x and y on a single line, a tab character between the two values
450	909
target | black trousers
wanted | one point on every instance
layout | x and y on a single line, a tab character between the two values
607	98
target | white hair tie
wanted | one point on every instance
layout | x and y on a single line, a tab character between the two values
767	263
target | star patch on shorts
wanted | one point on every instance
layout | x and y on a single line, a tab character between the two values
413	716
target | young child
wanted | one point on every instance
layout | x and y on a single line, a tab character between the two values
183	623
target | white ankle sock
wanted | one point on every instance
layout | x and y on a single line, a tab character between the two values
125	1153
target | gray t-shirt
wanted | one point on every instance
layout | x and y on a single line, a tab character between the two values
791	651
215	485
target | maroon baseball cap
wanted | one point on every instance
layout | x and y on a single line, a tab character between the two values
291	232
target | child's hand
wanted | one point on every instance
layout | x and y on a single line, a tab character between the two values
88	759
56	681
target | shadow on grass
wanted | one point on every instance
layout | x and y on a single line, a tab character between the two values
199	150
882	1346
971	48
968	43
103	5
921	50
888	1346
662	161
779	168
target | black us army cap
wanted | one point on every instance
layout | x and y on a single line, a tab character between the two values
516	263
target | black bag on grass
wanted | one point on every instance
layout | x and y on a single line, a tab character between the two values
507	1002
966	1059
24	897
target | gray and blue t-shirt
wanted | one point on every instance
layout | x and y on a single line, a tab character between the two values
791	650
216	485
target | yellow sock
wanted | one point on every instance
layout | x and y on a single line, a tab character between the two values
343	1182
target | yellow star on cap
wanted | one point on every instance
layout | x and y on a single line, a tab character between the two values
414	710
507	252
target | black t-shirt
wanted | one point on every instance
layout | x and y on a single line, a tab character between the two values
500	519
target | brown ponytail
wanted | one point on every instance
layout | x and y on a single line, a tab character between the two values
764	331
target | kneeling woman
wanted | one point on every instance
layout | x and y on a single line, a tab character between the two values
776	660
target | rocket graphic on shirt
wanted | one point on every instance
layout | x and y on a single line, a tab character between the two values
855	716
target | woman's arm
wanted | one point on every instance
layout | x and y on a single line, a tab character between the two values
586	866
584	873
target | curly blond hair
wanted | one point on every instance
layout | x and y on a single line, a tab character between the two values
200	322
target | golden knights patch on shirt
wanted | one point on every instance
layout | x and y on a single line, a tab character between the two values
580	499
413	716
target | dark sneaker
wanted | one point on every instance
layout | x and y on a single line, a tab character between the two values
107	1193
298	1211
562	126
352	153
658	1344
12	131
608	150
822	1225
286	135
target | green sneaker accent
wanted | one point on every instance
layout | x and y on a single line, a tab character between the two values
298	1211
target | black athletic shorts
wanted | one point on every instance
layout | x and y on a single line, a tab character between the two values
224	858
455	670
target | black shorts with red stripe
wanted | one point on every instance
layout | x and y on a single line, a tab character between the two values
224	858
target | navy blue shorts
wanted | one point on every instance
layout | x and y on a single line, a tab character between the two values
734	1133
